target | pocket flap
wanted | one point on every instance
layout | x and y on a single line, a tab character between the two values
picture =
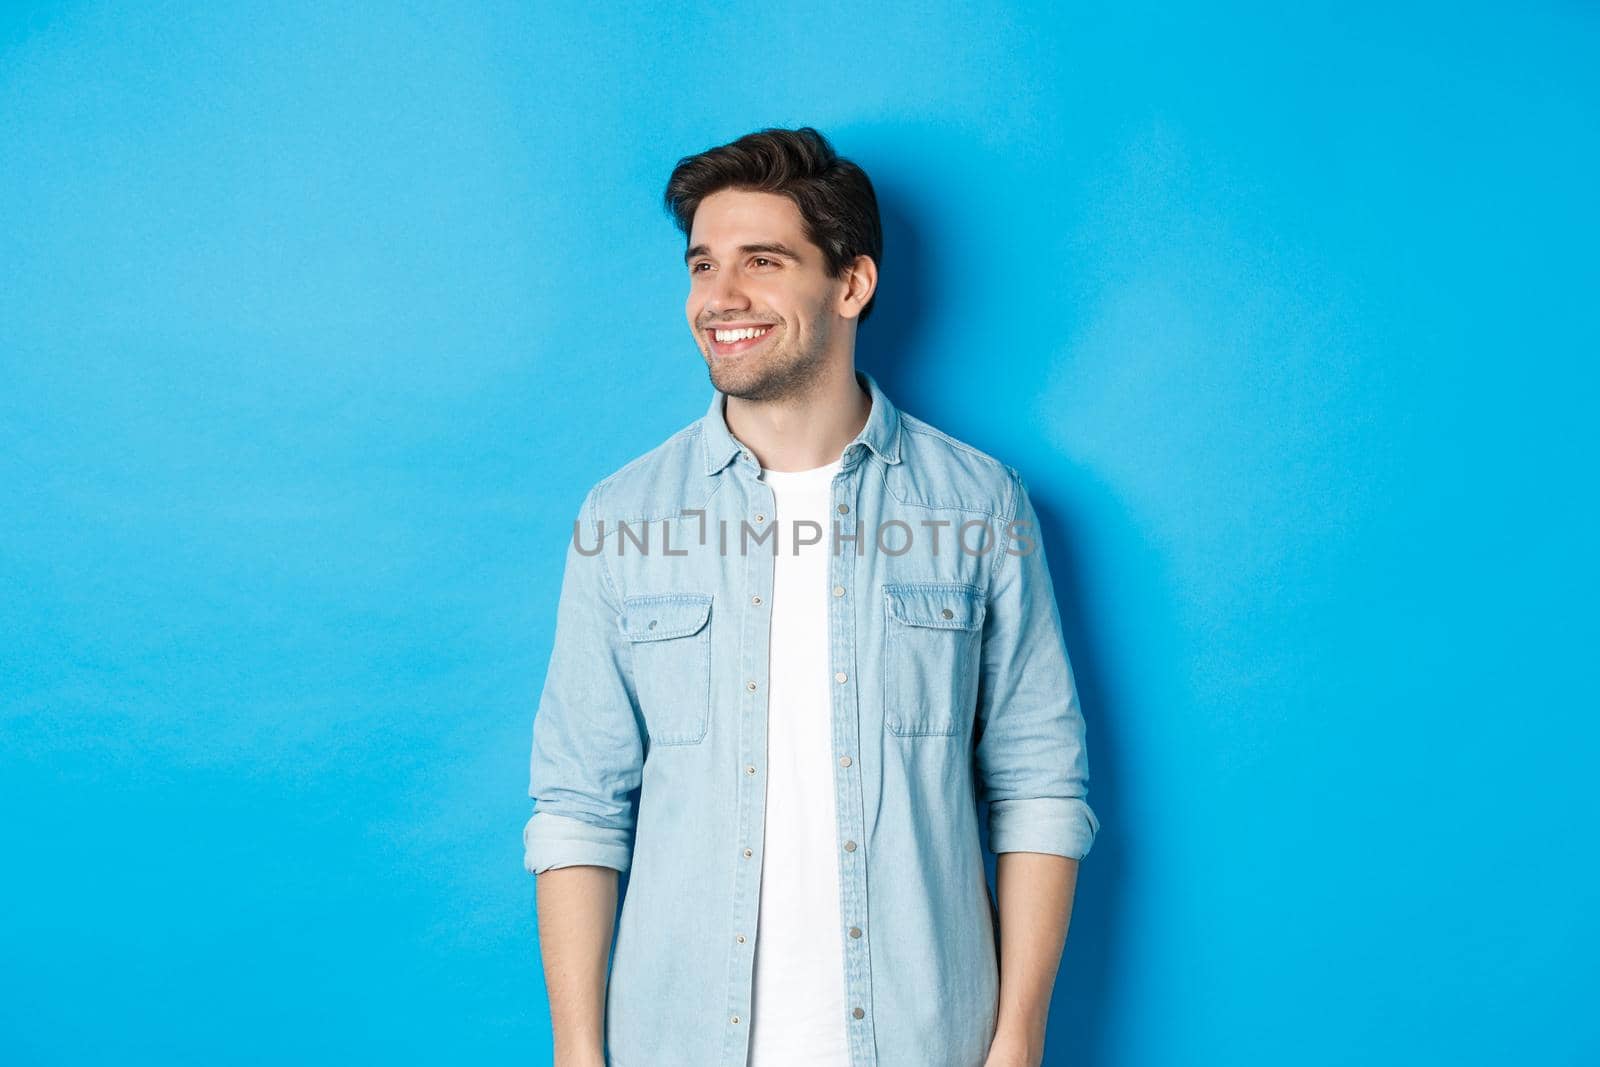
943	605
658	616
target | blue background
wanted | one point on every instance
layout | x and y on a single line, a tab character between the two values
316	324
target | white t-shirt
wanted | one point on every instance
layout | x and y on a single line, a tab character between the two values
797	1005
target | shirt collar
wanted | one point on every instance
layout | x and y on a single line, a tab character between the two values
881	434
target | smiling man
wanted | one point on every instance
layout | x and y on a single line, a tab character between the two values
798	643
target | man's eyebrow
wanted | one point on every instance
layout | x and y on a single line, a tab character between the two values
774	248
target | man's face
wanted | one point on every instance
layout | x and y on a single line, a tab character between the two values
751	266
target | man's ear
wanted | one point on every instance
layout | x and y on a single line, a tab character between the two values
861	281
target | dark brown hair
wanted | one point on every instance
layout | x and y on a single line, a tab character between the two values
835	197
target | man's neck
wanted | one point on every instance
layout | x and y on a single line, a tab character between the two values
805	432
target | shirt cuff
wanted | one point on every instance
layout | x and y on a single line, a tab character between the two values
1061	826
550	841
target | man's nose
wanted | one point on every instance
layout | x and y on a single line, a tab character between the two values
727	294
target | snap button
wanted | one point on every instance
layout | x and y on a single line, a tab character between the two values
849	846
838	590
855	931
652	624
947	613
844	761
858	1013
844	509
840	677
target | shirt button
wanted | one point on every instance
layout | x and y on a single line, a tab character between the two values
838	590
840	677
849	846
855	931
749	768
750	686
748	853
857	1012
755	600
844	509
947	613
735	1020
652	624
739	938
761	518
844	761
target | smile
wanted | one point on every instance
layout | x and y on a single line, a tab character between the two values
731	342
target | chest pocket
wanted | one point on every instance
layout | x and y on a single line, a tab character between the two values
671	642
931	640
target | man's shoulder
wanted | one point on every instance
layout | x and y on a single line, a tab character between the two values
656	484
940	470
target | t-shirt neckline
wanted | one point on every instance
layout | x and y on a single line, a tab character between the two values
816	477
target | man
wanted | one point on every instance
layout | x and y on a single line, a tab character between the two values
797	643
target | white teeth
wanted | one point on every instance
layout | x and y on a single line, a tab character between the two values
730	336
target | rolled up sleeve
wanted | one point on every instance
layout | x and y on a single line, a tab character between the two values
1030	757
588	750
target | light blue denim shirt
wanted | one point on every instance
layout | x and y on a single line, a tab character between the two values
951	687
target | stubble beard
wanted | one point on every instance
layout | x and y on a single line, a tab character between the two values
780	375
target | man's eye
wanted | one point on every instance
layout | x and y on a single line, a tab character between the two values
761	259
694	268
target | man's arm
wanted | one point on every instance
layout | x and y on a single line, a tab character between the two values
576	909
1035	891
1033	770
587	763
